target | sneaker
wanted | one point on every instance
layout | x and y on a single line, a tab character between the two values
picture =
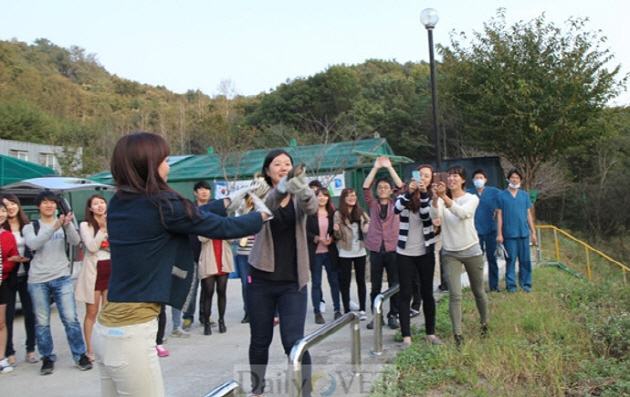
404	346
245	319
434	340
32	358
84	363
180	333
187	324
319	319
161	351
413	313
353	306
459	340
338	315
5	367
371	324
48	366
322	307
362	315
392	322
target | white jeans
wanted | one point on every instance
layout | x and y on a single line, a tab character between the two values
127	360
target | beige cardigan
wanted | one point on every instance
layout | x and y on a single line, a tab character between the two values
208	261
262	255
84	291
344	234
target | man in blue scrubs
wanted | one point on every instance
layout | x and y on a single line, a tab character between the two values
515	228
486	224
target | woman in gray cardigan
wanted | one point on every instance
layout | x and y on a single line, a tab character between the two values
279	267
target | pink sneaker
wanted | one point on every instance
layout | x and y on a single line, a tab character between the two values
161	351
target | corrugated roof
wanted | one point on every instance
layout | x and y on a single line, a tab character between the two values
322	158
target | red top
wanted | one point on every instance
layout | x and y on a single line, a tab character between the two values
9	249
217	245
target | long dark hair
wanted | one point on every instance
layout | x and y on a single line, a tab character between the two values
414	204
459	170
21	216
329	207
268	159
135	164
355	214
89	215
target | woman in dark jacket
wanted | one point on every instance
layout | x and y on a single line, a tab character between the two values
323	253
151	261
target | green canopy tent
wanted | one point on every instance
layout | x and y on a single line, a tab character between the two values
15	170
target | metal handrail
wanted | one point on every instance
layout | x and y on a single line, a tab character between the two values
586	246
230	388
301	346
378	314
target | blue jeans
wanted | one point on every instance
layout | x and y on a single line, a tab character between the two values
21	288
488	243
263	297
323	260
518	248
61	290
243	270
189	314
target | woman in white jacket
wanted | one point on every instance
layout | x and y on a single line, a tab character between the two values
460	246
94	276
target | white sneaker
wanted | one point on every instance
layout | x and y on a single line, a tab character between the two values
353	306
322	307
5	367
362	316
180	333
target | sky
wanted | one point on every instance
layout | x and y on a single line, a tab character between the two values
257	45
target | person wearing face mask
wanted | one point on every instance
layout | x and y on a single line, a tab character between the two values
485	223
515	228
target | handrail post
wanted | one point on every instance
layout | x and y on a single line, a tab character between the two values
557	244
378	314
588	264
301	346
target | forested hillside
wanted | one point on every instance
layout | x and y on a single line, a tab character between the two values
64	97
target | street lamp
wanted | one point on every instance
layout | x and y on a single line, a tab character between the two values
429	18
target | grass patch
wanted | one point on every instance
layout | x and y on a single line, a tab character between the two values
568	337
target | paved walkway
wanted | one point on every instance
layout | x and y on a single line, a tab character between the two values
200	363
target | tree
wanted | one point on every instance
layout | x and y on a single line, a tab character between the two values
529	91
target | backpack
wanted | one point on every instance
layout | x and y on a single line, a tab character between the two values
72	251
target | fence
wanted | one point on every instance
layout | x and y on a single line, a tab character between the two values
600	266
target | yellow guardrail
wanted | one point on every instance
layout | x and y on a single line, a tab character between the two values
586	246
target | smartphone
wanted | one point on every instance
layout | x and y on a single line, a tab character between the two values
440	177
415	174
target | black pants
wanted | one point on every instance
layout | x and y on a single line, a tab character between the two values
380	261
424	266
345	276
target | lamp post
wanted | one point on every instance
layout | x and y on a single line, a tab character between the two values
429	18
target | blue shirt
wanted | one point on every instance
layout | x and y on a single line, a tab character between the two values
484	216
514	211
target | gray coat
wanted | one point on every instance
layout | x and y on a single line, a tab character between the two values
262	254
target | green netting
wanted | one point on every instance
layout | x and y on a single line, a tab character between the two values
14	170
